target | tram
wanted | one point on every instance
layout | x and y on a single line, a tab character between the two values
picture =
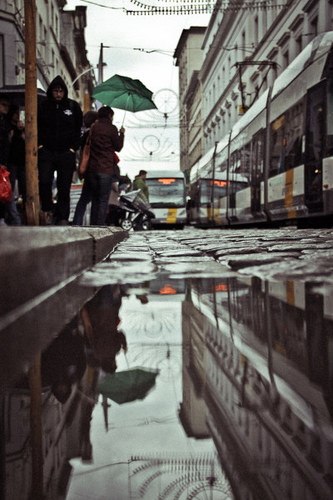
277	160
167	197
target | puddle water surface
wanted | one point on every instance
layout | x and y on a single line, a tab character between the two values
178	380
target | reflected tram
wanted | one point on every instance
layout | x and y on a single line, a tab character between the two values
276	164
167	198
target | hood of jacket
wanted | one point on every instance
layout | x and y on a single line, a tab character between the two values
57	82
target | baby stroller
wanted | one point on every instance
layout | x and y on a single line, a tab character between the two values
133	211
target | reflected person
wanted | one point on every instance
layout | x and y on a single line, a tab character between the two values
100	318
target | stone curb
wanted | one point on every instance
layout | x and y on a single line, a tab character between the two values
34	259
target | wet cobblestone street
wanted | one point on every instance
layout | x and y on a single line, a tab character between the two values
277	254
197	364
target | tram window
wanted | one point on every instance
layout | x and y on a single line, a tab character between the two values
330	118
316	124
293	134
207	186
240	167
277	149
257	158
286	140
245	169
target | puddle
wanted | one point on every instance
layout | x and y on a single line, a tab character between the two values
234	397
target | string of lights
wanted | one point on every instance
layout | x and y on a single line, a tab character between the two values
187	7
201	7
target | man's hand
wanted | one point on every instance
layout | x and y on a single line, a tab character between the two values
122	130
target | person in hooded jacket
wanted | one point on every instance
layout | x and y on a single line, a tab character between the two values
59	133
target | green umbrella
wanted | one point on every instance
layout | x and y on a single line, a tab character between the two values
125	93
123	387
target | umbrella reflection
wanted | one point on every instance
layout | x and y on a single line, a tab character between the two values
129	385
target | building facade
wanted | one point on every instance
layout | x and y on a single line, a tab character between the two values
189	58
60	47
244	49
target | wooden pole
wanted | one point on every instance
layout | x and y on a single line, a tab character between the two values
31	148
36	430
101	63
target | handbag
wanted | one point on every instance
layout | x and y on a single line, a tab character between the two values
116	166
84	160
5	186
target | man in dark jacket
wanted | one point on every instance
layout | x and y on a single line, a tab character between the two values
59	131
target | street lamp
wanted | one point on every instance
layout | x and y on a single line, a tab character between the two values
81	74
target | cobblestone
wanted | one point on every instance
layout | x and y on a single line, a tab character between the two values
284	254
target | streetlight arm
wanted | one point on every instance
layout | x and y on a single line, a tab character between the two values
81	74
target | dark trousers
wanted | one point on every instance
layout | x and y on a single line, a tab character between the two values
64	164
99	186
81	206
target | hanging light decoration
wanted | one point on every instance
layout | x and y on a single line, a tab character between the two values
201	6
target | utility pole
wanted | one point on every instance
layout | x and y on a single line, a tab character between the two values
100	65
31	149
36	430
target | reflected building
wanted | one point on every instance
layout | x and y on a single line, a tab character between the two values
193	409
268	384
67	401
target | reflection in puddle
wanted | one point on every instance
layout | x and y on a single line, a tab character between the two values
241	378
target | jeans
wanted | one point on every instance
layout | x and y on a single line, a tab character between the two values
99	186
64	164
81	206
13	216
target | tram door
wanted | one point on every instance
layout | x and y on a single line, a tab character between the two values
315	147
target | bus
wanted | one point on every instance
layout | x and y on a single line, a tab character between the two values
277	160
167	198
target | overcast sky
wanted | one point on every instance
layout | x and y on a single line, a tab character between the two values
146	136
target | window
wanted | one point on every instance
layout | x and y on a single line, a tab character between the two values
329	118
167	192
314	27
257	168
316	124
298	43
208	186
256	30
264	21
286	140
239	173
243	45
258	152
40	28
285	59
2	70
